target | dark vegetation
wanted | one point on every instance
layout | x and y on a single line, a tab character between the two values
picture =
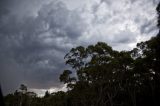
104	77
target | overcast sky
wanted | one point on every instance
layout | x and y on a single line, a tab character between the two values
36	34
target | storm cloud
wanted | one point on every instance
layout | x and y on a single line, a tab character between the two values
35	35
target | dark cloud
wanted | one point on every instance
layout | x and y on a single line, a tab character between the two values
36	45
61	21
148	27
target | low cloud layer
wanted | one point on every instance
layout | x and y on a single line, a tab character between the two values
35	35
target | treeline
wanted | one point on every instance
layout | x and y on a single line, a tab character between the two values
101	76
23	97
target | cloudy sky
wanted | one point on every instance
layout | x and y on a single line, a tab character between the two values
36	34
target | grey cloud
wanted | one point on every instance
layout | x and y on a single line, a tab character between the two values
148	27
11	74
121	24
122	37
61	21
36	45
